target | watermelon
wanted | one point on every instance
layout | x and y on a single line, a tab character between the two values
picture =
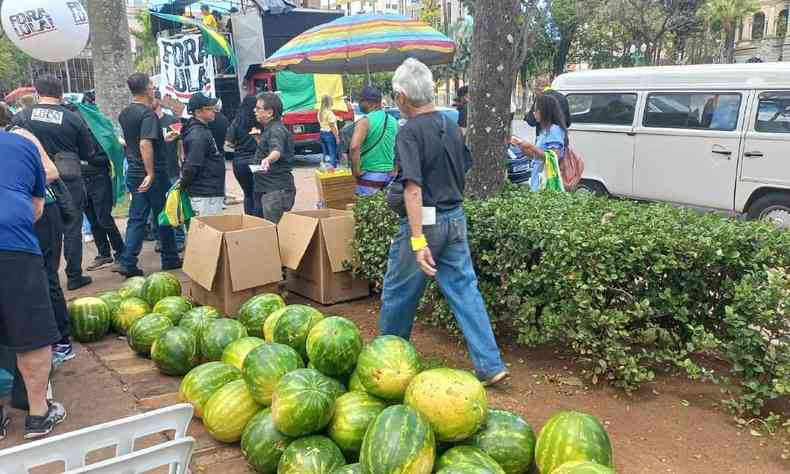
387	365
175	351
572	436
146	330
303	402
217	335
261	444
311	455
237	350
508	439
132	287
202	381
349	469
293	326
583	467
354	411
129	311
254	311
333	346
468	455
354	384
268	325
160	285
174	307
196	319
265	365
337	386
399	441
464	468
89	319
454	402
113	300
228	411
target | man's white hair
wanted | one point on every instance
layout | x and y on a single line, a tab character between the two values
414	80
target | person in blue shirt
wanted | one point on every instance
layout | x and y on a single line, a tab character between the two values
553	136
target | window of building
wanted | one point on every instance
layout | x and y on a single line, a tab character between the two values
706	111
773	112
606	109
758	26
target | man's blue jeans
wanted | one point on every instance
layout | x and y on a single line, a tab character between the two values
142	204
404	284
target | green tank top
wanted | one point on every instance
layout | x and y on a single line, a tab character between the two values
379	157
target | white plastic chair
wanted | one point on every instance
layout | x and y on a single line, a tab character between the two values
176	454
72	448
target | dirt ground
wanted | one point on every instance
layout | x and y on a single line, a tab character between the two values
671	425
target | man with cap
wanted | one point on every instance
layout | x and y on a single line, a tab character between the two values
203	172
372	150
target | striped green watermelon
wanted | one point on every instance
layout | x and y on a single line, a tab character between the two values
508	439
268	325
468	455
337	386
311	455
387	365
354	384
196	319
303	402
261	444
465	468
354	412
333	346
454	402
160	285
254	311
217	335
89	319
228	411
572	436
174	307
399	441
132	288
265	365
293	326
129	311
146	330
583	467
113	300
202	381
349	469
175	351
237	350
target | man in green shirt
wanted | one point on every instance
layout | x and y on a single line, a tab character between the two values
372	149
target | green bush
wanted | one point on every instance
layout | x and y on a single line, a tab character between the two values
629	288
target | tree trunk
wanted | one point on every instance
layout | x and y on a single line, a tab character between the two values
112	54
492	73
729	40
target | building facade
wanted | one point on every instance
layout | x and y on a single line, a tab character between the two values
764	37
452	10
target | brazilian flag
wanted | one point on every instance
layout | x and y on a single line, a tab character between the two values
553	176
300	92
216	43
102	129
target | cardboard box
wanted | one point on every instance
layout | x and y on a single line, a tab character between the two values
336	190
313	246
231	258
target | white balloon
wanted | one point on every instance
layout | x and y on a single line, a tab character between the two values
48	30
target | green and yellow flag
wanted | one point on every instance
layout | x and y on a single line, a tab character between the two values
552	169
102	129
304	91
216	43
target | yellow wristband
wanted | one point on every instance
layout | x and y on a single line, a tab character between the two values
418	243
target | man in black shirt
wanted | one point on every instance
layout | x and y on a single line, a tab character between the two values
203	174
169	123
67	140
462	104
146	176
274	183
428	194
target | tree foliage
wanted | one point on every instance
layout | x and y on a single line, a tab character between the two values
148	51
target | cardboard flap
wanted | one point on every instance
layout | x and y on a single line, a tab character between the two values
295	233
338	234
202	253
254	257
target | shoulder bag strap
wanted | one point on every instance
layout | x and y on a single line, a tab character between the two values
383	132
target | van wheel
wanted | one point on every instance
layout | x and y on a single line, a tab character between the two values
774	207
592	187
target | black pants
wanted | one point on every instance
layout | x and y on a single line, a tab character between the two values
49	230
72	233
272	205
241	170
98	209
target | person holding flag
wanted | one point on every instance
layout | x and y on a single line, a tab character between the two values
550	145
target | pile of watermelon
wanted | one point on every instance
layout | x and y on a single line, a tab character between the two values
303	394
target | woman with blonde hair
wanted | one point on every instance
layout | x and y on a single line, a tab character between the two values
330	136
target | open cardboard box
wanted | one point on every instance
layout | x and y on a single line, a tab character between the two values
231	258
313	247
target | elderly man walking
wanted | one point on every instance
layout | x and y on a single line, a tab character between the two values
432	242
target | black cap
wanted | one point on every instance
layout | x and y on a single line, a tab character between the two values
198	101
370	94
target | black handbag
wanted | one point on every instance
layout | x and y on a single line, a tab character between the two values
68	165
68	212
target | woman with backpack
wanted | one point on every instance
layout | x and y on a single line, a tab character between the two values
553	137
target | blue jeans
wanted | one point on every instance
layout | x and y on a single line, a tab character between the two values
141	206
404	284
329	147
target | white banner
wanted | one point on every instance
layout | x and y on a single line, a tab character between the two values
186	68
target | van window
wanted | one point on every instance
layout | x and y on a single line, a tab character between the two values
707	111
607	109
773	112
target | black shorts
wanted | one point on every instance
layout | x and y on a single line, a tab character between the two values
27	321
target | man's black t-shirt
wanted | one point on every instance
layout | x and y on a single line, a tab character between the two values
430	152
58	129
219	128
279	177
139	122
171	148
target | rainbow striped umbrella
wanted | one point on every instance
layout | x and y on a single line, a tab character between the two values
362	43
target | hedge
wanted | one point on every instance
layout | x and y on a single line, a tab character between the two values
629	288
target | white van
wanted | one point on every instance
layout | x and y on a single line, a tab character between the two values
713	137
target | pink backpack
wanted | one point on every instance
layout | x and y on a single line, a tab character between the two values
571	169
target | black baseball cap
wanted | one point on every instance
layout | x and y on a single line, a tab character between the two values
198	101
370	94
